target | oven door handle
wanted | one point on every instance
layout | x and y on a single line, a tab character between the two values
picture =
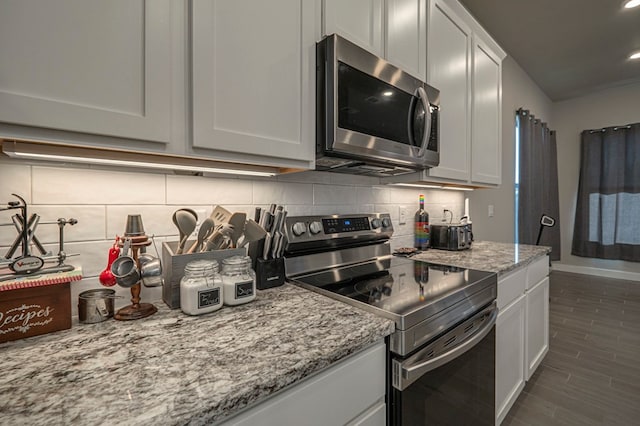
406	372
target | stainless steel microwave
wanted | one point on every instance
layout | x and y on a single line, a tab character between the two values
372	117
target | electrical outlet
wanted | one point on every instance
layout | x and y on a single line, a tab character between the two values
403	214
445	212
491	210
201	215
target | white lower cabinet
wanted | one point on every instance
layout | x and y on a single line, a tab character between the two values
522	330
352	392
537	343
510	357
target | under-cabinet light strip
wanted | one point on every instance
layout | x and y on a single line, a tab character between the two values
457	188
420	185
30	151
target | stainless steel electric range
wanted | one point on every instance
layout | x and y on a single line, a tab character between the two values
441	356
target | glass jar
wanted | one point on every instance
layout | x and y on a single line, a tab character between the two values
201	289
239	280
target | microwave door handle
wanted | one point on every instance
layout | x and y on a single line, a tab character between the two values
404	374
422	95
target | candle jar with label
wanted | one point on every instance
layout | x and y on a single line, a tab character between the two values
201	288
239	280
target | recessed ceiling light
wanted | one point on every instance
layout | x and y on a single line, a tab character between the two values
635	55
389	92
631	3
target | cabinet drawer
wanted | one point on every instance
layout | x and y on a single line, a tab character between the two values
335	396
511	286
375	416
536	271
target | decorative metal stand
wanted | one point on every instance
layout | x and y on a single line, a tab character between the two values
135	233
27	263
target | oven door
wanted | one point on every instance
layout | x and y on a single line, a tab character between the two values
451	381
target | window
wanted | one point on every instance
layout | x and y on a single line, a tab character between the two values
607	221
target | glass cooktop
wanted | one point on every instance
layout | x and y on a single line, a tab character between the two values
405	290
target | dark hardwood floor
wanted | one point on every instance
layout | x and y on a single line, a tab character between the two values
591	374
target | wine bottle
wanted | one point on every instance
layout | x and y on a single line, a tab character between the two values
421	232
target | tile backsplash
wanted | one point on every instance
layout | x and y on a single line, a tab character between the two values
101	198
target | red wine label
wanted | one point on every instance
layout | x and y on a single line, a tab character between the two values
421	234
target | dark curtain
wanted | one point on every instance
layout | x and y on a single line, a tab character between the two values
538	183
607	223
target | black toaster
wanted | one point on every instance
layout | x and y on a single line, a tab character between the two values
451	236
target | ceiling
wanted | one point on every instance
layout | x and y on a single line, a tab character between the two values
568	47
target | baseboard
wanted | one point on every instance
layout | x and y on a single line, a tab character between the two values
599	272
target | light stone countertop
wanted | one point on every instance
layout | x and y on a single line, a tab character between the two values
487	256
171	368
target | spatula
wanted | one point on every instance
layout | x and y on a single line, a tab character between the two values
237	220
220	215
252	232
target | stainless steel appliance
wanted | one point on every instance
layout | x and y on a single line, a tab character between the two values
451	236
442	354
372	117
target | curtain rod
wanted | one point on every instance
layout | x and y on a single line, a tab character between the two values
604	129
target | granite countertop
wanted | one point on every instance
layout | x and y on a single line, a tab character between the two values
487	256
171	368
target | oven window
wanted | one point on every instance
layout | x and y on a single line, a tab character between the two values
373	107
460	392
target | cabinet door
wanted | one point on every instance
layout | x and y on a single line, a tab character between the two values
486	136
96	67
254	78
448	59
510	348
537	330
359	21
406	36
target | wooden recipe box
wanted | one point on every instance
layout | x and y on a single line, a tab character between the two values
29	307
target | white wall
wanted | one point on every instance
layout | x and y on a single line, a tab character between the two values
518	90
615	106
102	198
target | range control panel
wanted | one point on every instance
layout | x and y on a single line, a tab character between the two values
345	224
304	231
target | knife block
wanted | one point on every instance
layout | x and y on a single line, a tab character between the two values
269	273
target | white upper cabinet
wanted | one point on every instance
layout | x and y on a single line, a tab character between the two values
392	29
465	64
486	146
359	21
253	78
406	35
449	70
96	67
